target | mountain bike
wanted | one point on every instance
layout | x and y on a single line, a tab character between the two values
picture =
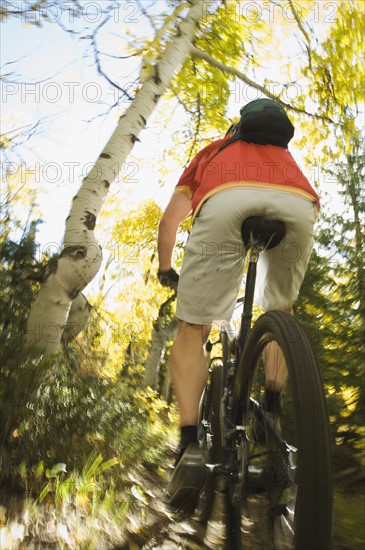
268	477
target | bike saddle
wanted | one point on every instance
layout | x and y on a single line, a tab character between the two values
258	231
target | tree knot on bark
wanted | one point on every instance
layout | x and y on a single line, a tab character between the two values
75	252
73	293
90	220
39	273
105	156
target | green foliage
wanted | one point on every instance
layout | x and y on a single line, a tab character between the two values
73	394
332	304
327	324
340	61
20	374
349	521
16	293
88	413
93	506
83	486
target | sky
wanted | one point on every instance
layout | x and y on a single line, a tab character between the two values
51	77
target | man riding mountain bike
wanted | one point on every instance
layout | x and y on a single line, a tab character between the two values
247	173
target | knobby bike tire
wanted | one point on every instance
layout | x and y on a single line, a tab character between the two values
212	408
312	521
215	414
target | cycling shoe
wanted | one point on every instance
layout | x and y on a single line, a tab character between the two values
187	480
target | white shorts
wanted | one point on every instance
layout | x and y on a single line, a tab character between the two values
213	264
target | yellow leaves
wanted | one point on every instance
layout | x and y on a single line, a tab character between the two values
224	34
134	295
205	90
351	397
338	59
334	86
155	47
4	141
149	400
19	187
346	40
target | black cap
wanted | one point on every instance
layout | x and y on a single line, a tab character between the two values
265	122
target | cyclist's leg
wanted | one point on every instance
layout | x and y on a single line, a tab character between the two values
189	369
275	367
209	283
276	376
281	272
189	372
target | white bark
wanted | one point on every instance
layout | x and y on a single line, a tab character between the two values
78	318
81	257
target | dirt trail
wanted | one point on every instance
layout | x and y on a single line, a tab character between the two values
163	529
149	524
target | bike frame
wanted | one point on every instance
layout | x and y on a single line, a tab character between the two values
233	405
230	430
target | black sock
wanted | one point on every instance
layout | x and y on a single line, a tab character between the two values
272	401
189	434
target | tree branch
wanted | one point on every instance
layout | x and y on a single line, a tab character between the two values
299	23
303	31
98	63
147	15
218	65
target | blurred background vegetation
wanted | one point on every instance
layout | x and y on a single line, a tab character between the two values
87	433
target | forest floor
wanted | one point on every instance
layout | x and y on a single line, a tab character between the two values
148	524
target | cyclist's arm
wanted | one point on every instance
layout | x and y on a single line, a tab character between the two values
177	210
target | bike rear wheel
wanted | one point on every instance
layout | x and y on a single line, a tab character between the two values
280	495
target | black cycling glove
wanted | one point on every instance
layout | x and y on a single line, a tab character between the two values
168	278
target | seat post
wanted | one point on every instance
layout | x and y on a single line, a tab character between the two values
246	318
258	234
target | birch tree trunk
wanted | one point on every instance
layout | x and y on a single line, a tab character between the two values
81	256
163	330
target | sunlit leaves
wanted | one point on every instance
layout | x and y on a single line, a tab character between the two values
130	295
335	76
203	89
340	63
